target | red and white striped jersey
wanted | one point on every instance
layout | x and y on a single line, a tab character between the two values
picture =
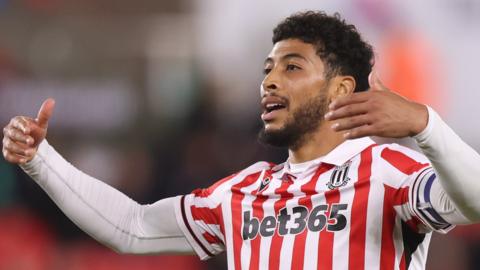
362	206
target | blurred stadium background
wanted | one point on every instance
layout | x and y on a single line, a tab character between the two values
158	98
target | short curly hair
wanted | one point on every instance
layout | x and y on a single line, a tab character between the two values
338	44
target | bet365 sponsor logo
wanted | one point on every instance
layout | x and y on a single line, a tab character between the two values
321	217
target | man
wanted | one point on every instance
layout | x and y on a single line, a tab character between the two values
340	201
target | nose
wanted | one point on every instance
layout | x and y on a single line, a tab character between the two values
270	83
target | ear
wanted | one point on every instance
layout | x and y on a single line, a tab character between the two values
343	86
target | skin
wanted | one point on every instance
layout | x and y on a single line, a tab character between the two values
295	73
377	112
22	135
297	79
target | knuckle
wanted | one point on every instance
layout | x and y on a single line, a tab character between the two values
352	121
7	143
9	133
374	104
31	154
10	158
374	118
348	110
354	132
15	124
367	119
363	120
365	107
6	155
375	128
360	131
368	103
381	128
17	119
15	134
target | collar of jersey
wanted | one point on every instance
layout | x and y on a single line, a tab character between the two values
338	156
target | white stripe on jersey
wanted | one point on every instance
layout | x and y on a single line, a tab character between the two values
311	245
246	205
340	251
289	240
373	234
268	209
227	216
398	241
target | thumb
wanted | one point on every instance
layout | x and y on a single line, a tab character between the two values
45	112
374	81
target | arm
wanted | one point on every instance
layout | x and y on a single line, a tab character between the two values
105	213
380	112
100	210
457	167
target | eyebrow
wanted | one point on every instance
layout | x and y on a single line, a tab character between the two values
286	57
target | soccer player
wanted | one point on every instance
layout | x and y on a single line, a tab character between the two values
339	201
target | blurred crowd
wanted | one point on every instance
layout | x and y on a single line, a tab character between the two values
158	98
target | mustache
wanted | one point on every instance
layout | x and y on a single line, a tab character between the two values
285	100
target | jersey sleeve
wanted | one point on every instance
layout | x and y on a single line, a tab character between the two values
408	184
420	201
199	215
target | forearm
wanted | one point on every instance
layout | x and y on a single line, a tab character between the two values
105	213
456	164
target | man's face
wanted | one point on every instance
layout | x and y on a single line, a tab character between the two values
294	93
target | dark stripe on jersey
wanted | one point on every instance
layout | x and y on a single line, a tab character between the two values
184	216
411	241
438	222
431	211
428	186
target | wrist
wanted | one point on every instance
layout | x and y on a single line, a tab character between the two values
419	119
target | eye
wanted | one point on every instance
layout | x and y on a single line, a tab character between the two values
266	70
291	67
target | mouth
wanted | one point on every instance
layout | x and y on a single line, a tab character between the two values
272	107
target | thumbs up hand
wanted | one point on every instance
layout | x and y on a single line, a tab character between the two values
376	112
22	135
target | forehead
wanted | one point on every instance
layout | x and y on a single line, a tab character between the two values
293	47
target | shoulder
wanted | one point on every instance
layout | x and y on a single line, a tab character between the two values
257	167
395	153
221	186
394	163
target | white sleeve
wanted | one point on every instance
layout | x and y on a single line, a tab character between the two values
105	213
454	193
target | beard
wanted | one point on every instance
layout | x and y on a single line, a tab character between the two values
302	123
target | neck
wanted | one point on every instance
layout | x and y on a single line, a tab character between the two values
316	144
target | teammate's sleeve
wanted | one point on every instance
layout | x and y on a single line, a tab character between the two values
200	216
105	213
457	169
